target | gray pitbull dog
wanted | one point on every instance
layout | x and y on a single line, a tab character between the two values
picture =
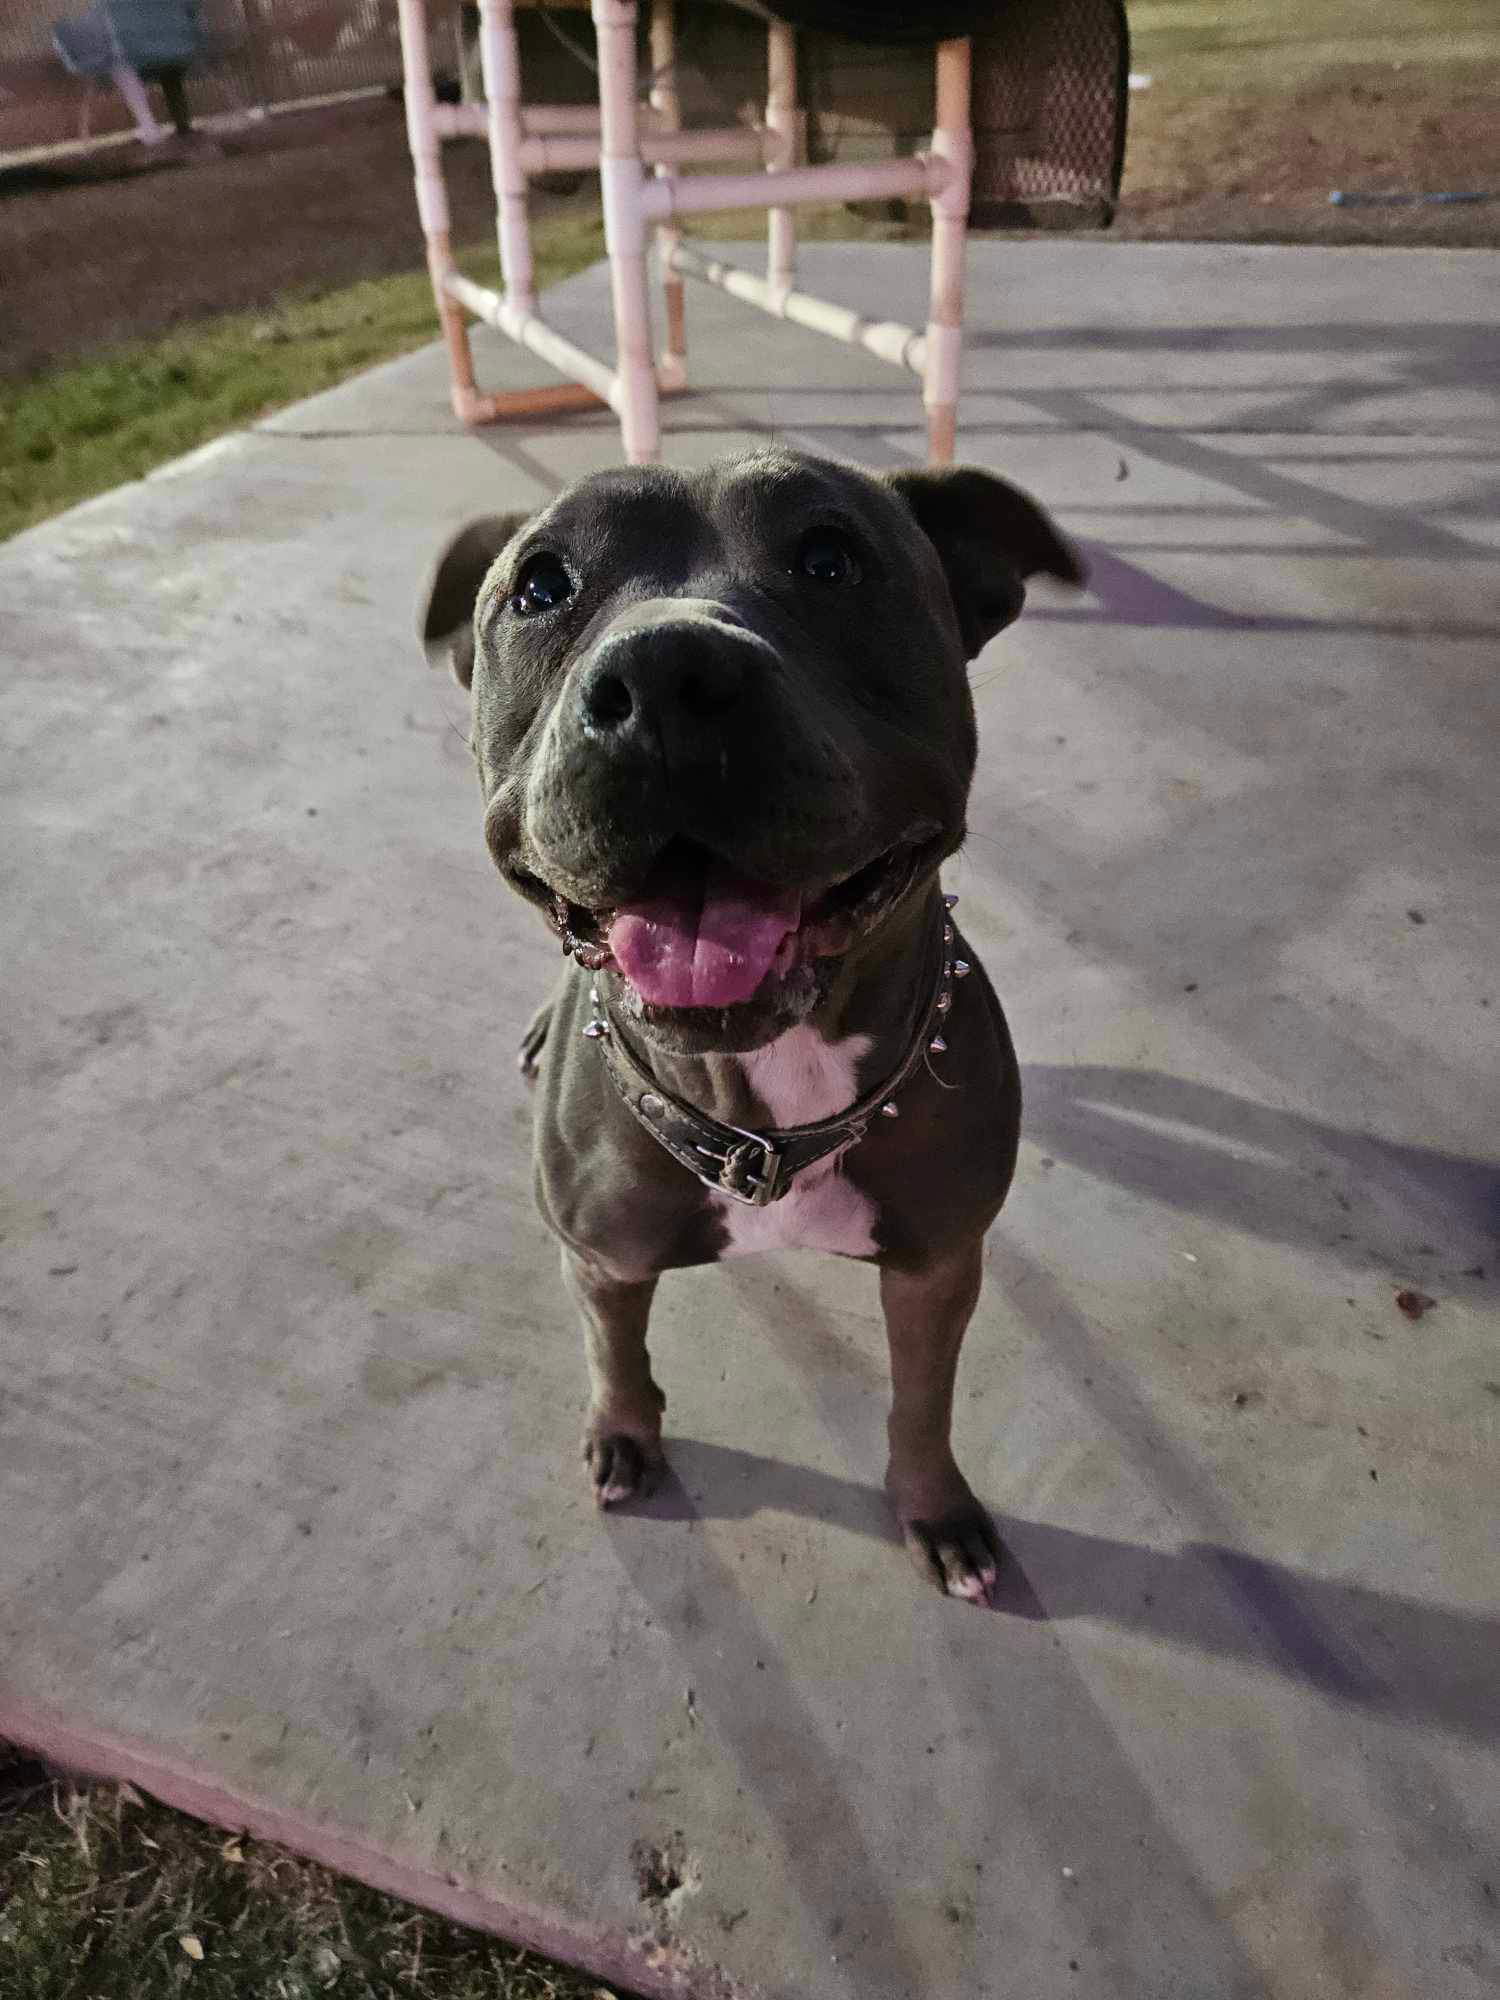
725	740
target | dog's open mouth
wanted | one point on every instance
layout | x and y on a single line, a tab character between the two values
699	933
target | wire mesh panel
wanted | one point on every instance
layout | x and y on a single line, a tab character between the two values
313	48
1051	87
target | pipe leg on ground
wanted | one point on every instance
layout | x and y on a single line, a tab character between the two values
500	62
781	122
432	199
664	102
621	177
952	141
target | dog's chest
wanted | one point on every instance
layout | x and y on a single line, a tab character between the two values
799	1078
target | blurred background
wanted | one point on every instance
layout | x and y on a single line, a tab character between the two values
206	208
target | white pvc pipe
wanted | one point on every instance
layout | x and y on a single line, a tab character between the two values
693	195
460	121
560	117
421	124
432	199
566	152
575	118
529	331
952	142
781	123
622	183
543	152
519	144
500	62
667	107
901	345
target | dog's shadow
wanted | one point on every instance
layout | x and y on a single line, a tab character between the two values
1280	1175
1368	1648
1286	1178
713	1482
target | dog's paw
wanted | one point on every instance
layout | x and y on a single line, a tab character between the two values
958	1551
620	1468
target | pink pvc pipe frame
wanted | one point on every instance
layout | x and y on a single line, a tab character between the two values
636	151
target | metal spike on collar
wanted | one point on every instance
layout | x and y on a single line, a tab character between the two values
599	1026
938	1046
950	901
889	1110
961	968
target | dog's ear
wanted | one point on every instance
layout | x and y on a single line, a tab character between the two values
445	616
990	536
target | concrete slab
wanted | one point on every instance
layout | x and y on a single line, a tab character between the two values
294	1532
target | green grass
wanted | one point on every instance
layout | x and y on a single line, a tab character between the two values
1206	46
105	1895
81	428
1269	104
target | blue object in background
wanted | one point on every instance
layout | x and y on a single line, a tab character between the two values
1342	199
148	35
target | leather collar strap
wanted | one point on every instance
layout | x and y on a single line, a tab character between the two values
760	1167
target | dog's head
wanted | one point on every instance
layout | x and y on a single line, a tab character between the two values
722	719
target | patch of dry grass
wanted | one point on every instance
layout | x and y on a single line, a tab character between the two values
1257	112
106	1895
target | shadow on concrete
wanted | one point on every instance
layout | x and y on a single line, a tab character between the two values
1384	361
1280	1175
1446	353
1392	360
743	1686
1371	1649
1010	1716
1127	594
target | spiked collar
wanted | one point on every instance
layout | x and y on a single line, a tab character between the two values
759	1167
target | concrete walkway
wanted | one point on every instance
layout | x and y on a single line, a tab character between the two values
294	1531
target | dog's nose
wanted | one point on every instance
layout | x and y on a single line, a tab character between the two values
662	678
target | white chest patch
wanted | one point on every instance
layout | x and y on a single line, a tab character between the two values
799	1077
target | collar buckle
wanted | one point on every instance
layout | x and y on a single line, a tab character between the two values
751	1172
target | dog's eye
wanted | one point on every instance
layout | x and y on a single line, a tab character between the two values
544	585
828	558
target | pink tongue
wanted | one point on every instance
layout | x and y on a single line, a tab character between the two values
678	952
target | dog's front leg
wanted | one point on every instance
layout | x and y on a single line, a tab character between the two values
927	1309
622	1441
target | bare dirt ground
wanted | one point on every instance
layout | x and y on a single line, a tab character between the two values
124	244
1259	166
